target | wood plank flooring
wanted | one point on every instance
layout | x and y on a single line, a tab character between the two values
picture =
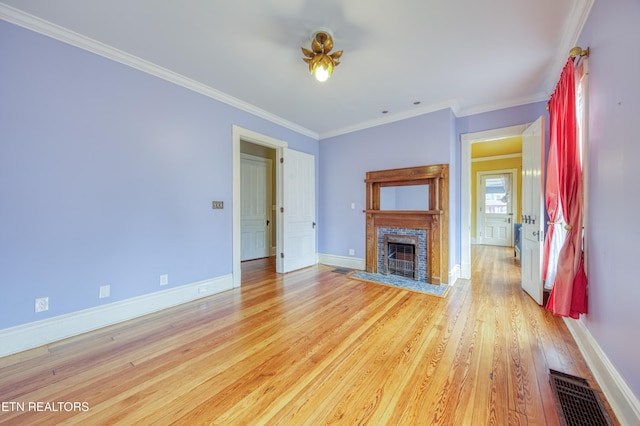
307	348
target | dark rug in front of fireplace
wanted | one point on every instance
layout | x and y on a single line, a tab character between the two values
406	283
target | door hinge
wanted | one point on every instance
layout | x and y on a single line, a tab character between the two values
281	159
282	255
281	209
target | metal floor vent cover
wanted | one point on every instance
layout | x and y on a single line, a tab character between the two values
344	271
578	404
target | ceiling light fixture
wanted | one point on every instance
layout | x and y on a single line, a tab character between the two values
321	63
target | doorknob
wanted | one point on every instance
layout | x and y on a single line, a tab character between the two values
267	222
313	225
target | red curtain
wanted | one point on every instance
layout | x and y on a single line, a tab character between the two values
569	294
552	194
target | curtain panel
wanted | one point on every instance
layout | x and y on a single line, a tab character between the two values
564	193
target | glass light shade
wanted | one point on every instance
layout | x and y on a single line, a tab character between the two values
321	73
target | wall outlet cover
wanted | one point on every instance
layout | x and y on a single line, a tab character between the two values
42	304
105	291
164	279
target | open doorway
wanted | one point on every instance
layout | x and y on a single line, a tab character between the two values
496	205
257	206
265	145
468	140
295	233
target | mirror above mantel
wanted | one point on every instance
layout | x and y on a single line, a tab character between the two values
408	197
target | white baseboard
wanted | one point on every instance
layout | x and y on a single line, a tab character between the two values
38	333
624	403
454	274
342	261
465	271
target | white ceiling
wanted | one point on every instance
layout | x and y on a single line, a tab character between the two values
470	55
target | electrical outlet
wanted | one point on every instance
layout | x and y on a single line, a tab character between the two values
352	252
217	204
42	304
164	279
105	291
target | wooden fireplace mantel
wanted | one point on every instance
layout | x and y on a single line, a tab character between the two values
435	220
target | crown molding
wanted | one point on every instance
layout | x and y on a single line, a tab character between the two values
577	19
450	104
503	105
579	15
49	29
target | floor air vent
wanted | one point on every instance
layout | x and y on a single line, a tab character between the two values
343	271
577	403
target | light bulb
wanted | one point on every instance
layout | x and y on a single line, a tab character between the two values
321	73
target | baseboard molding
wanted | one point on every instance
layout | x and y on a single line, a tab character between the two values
38	333
454	274
624	403
465	271
342	261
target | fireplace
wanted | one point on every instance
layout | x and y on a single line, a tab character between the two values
401	260
428	225
403	252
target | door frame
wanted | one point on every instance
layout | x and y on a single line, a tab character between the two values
241	134
468	139
514	197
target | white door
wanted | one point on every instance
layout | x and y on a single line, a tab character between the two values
255	213
298	211
533	209
495	212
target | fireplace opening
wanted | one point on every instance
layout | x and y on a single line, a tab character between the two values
401	256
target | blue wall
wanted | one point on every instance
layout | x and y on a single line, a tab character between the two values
106	177
612	34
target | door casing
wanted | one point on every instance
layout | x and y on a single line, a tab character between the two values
241	134
467	140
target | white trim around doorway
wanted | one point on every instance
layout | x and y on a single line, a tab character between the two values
241	134
467	140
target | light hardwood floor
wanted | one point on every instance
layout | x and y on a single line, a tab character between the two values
311	347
